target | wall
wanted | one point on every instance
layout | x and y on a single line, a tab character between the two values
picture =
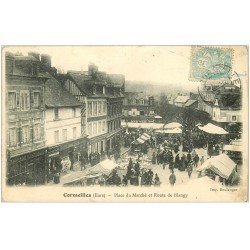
226	115
65	121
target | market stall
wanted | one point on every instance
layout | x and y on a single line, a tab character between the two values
90	175
213	129
221	166
234	150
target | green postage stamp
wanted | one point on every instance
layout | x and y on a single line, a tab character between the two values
210	63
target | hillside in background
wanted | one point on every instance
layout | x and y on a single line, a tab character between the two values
157	89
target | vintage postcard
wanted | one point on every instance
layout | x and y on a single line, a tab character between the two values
125	123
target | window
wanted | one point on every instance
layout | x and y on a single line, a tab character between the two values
99	108
94	108
56	134
24	100
36	100
56	112
94	128
74	132
90	129
25	134
103	126
142	112
12	100
234	118
64	134
12	137
37	131
99	127
74	112
89	109
104	108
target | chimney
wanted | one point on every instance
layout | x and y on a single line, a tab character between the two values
92	69
35	54
46	61
9	63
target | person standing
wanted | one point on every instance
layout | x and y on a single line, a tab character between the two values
196	160
157	180
172	178
189	169
202	160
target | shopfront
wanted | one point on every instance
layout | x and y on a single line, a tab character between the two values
27	169
66	156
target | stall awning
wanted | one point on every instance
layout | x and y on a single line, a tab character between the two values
140	140
146	135
213	129
143	137
221	165
103	167
169	131
172	125
235	148
144	125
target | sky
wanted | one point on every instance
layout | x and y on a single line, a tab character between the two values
150	64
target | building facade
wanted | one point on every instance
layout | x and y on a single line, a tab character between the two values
100	97
66	144
25	110
138	108
223	103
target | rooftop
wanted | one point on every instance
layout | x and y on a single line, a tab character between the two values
56	96
181	99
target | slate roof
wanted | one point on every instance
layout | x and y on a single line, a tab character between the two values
117	79
181	99
56	96
190	102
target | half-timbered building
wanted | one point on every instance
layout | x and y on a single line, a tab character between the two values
101	106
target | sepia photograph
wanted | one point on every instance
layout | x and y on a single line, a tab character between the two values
125	123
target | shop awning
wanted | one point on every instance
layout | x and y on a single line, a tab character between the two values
213	129
221	165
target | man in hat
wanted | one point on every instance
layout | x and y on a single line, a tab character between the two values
172	178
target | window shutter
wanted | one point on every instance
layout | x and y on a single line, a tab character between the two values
42	132
18	101
31	99
32	133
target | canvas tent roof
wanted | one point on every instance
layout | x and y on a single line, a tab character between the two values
172	125
139	141
221	165
103	167
169	131
145	134
213	129
143	137
145	125
235	148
